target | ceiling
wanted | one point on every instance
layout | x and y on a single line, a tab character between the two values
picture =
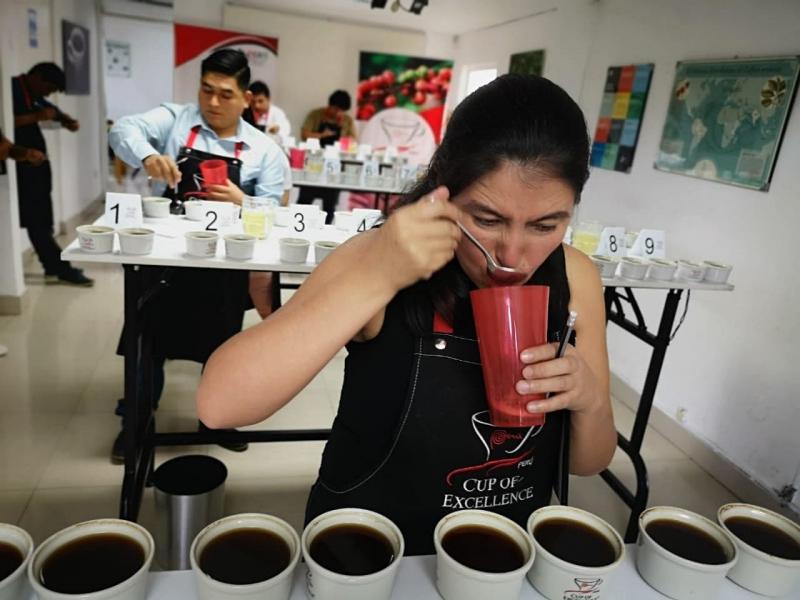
440	16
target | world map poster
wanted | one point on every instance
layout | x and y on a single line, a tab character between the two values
726	119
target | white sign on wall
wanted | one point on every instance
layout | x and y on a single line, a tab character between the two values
118	59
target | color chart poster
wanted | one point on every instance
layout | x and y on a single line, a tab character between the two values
621	113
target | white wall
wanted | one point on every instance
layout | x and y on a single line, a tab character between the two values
152	65
731	365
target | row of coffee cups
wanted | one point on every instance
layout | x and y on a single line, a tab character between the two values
657	269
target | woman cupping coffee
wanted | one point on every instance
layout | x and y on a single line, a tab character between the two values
412	438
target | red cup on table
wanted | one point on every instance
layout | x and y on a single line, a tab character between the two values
508	320
297	158
344	143
214	172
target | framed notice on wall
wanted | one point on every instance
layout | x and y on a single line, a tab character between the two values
621	112
726	119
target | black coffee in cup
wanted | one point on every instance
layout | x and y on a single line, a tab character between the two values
10	559
244	556
575	542
92	563
764	537
483	549
687	541
352	549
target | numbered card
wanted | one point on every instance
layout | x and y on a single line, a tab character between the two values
612	242
123	210
651	243
218	215
304	217
364	219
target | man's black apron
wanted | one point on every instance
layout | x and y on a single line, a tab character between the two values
446	455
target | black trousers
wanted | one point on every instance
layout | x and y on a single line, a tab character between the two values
329	199
47	249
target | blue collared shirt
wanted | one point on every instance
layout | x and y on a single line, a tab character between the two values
166	128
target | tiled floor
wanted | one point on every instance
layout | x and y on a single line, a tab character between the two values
60	382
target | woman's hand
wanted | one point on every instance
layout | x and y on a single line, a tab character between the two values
569	379
419	239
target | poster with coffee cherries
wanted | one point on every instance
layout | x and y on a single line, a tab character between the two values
621	112
400	102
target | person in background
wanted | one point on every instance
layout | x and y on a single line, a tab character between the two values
200	308
35	179
266	115
328	124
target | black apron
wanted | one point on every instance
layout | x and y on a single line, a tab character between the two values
446	455
334	127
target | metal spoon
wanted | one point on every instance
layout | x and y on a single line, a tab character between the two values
499	273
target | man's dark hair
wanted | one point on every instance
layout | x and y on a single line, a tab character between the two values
50	73
230	62
339	99
259	88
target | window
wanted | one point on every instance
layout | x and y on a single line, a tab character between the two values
476	77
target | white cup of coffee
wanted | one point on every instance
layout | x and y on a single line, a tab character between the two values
683	555
480	555
156	207
14	561
266	551
194	210
576	553
95	560
322	249
769	549
96	239
136	240
202	244
240	246
366	569
293	250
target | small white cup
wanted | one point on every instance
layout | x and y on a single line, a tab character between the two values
322	584
14	586
156	206
555	578
96	239
133	588
689	270
716	272
631	267
293	250
202	244
322	249
606	265
276	588
661	270
343	220
240	246
456	581
194	210
756	570
136	240
673	575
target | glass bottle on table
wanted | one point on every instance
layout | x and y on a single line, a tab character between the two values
586	236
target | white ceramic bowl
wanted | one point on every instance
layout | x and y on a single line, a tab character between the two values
322	249
716	272
156	206
136	240
631	267
673	575
606	265
688	270
556	578
276	588
322	584
756	570
456	581
194	210
240	246
133	588
202	244
96	239
293	250
15	585
661	269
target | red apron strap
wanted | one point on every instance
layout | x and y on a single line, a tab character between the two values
238	150
440	325
192	136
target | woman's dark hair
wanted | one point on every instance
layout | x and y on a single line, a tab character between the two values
230	62
520	119
339	99
50	73
259	88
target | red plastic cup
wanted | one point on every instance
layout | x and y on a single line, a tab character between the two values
509	319
297	158
214	171
344	143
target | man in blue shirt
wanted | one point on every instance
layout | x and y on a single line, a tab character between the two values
198	309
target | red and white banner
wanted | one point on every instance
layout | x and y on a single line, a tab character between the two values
193	44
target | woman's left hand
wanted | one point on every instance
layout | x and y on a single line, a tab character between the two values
229	192
568	379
